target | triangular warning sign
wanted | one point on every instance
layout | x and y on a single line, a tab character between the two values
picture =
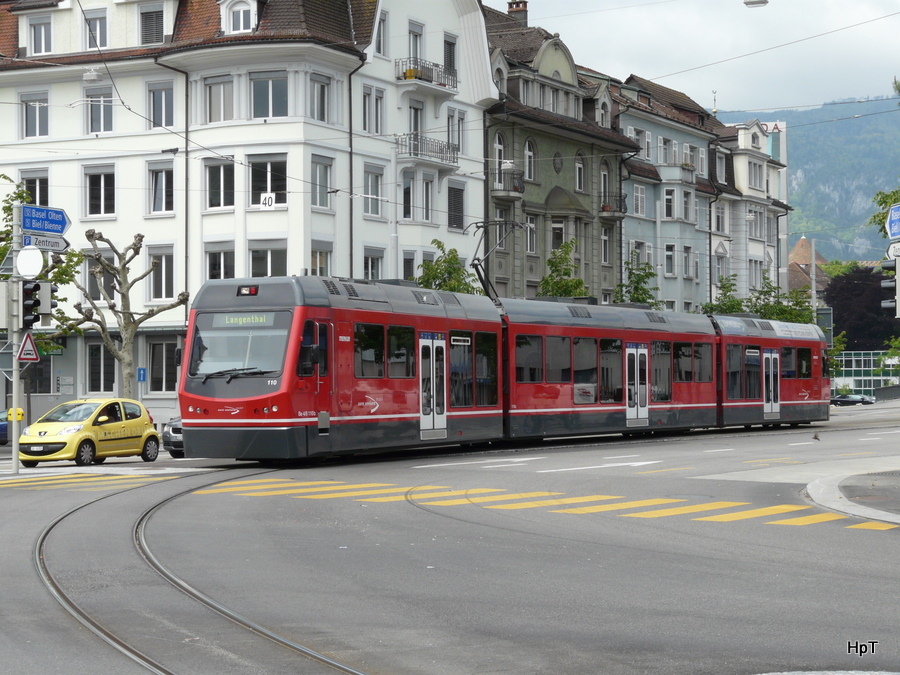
28	351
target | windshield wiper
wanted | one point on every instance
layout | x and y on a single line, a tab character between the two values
231	373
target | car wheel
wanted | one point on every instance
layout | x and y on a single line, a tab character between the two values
99	460
85	454
28	463
151	449
176	454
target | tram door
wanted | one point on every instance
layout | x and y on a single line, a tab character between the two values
771	388
636	369
432	386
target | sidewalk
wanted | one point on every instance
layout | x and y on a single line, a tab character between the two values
869	495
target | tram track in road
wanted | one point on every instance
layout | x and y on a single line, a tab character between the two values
112	636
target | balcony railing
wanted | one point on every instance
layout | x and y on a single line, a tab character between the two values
417	145
508	181
614	202
414	68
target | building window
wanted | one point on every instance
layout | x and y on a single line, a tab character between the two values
670	202
688	269
162	104
579	174
220	264
106	283
500	216
529	160
37	184
241	18
219	186
720	218
99	109
372	262
427	198
669	269
756	175
152	26
605	245
409	264
36	121
95	29
320	262
409	184
381	35
530	233
270	94
499	156
163	276
416	30
39	32
456	128
373	110
604	114
720	167
372	190
268	176
687	204
101	368
456	202
268	262
163	371
101	190
219	98
640	200
557	234
321	182
450	53
320	91
162	190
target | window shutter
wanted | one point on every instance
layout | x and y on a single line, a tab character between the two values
152	27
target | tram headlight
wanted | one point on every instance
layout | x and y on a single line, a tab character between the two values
274	408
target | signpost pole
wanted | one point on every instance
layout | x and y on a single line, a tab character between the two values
15	321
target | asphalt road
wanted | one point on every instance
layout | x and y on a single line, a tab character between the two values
700	553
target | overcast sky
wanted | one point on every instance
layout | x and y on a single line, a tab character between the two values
832	49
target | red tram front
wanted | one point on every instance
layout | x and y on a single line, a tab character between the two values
282	368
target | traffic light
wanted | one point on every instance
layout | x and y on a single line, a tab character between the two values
29	304
893	301
47	299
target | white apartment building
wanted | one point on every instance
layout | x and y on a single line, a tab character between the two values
242	139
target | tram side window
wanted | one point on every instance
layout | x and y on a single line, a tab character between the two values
558	359
461	386
306	365
368	342
529	358
585	370
753	367
611	376
402	351
684	361
804	363
788	363
661	367
703	362
323	349
734	371
486	369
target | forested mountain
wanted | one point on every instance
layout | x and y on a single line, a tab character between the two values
839	156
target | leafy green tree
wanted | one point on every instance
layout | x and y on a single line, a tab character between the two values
447	273
636	286
771	303
726	302
855	298
884	200
560	281
889	362
839	344
836	268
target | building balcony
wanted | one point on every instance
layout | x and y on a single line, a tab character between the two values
683	173
508	184
613	203
426	78
421	149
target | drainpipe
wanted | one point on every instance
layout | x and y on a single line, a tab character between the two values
362	59
187	179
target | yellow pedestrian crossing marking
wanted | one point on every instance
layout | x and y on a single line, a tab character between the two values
872	525
432	495
754	513
808	520
238	486
678	510
553	502
359	493
492	498
82	482
619	506
303	490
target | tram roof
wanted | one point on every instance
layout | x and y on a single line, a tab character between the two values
756	327
604	316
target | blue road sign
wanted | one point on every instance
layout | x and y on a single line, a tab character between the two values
44	219
892	225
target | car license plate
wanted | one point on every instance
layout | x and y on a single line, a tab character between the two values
36	448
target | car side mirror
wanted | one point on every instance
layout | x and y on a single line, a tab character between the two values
103	419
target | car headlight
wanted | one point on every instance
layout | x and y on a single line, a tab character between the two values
75	428
167	429
26	431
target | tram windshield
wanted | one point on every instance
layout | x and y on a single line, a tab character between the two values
239	344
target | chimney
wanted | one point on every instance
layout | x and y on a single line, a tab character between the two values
518	10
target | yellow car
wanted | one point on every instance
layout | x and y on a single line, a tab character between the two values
90	430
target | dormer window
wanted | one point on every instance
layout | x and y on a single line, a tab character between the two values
754	140
238	16
604	114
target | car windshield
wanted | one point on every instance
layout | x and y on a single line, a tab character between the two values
70	412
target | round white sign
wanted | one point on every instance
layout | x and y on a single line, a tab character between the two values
30	262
